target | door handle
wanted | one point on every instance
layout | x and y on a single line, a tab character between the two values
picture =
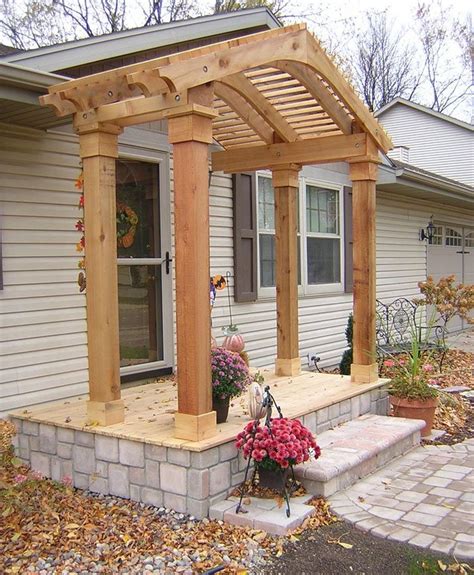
168	261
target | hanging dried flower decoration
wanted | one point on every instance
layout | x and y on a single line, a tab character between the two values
81	244
127	222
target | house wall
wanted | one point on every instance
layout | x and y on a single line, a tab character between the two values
436	145
43	351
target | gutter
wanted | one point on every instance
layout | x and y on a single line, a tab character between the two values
28	79
460	189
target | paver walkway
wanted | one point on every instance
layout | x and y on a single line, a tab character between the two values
425	498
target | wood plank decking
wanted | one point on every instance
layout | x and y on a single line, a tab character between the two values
150	409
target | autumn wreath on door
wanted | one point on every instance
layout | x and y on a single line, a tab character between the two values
127	222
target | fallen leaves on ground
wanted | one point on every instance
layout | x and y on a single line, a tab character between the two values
458	568
41	518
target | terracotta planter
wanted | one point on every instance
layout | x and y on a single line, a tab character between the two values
273	479
221	407
415	409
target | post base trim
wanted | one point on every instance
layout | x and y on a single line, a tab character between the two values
364	373
195	427
288	366
106	412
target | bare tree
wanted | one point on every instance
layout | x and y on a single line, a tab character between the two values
382	65
446	44
33	24
278	7
94	17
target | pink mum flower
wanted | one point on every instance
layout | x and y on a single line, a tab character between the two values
428	367
20	478
389	363
67	480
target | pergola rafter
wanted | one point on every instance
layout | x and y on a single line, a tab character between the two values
271	100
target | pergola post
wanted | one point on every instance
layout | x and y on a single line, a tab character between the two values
363	174
285	184
190	134
99	150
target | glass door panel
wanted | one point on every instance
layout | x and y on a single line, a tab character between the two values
140	317
140	281
138	221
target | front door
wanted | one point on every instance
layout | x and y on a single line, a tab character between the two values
144	275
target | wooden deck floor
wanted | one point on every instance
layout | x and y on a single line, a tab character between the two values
149	409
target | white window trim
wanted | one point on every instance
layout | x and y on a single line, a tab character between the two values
332	288
305	289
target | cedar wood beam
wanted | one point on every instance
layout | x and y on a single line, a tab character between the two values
304	152
319	91
262	106
244	111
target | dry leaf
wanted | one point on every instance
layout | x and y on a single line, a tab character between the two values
345	545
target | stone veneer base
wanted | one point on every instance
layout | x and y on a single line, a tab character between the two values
186	481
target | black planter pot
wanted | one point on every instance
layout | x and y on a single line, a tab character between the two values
274	478
221	407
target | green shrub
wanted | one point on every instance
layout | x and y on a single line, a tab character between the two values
345	365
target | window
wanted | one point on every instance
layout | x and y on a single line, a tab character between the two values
319	231
266	226
469	240
323	242
437	239
453	237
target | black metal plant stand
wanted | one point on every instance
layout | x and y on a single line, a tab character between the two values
268	403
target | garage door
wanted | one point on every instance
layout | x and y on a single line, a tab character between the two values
452	253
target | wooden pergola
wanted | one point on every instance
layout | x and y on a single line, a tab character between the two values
272	100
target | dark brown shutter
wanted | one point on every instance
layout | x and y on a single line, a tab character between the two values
348	240
245	237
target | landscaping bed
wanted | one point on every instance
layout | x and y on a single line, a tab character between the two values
49	528
455	414
340	549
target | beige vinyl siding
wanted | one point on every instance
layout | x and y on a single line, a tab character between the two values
43	351
436	145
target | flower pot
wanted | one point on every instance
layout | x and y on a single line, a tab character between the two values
221	407
273	478
416	409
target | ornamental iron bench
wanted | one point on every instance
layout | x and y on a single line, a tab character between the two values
399	321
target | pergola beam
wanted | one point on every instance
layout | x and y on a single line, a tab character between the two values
262	106
303	152
136	111
230	58
323	65
318	90
244	111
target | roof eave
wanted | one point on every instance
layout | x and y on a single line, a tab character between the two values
21	77
450	192
79	52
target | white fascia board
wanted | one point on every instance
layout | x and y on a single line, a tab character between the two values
19	84
22	77
79	52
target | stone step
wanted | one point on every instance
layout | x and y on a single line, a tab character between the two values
265	514
356	449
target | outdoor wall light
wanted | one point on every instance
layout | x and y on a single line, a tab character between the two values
428	232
